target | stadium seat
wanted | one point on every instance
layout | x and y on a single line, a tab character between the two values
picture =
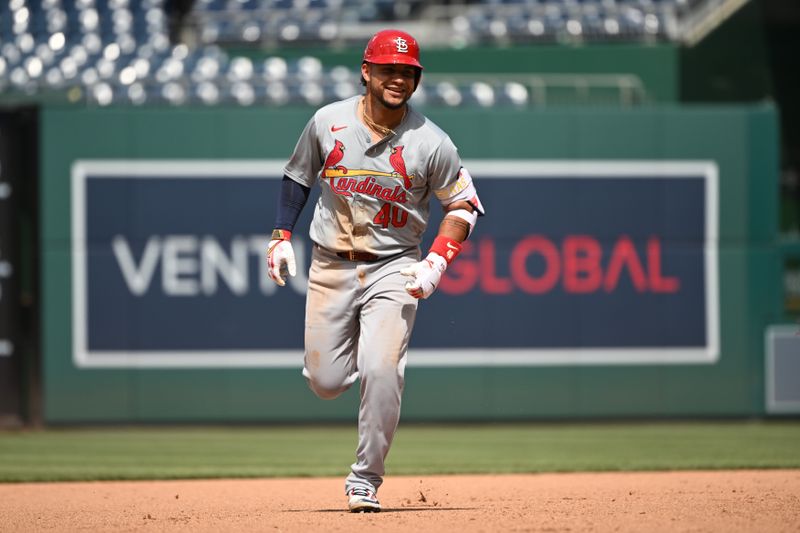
109	52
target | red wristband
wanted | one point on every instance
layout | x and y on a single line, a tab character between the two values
446	247
281	235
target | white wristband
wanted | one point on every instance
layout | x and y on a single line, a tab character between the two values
470	216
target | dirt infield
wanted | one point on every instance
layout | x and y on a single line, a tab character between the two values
757	501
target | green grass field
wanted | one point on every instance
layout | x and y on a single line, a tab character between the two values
169	453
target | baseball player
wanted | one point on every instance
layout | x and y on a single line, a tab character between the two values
378	162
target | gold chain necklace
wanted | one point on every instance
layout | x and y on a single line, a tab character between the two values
374	126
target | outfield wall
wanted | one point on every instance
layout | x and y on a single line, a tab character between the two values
627	267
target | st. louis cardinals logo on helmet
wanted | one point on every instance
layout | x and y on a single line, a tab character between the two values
402	45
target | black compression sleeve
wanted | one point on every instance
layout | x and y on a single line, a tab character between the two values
292	199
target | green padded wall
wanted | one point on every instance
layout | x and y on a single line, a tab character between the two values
742	140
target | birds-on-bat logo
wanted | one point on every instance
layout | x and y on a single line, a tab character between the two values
399	166
346	181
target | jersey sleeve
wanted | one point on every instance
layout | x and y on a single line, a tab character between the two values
443	169
450	181
306	161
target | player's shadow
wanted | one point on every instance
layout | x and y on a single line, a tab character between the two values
384	510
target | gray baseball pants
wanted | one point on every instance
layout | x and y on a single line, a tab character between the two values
359	320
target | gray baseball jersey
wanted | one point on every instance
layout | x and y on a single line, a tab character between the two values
375	196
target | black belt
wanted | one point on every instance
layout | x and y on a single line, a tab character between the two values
353	255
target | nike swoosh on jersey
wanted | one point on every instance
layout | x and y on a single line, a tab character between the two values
337	128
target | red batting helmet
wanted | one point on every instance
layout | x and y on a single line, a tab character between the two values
390	47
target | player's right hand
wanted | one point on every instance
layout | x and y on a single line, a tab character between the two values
280	261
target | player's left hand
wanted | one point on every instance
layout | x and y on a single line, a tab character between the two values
280	261
425	275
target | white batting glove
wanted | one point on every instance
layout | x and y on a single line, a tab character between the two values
280	260
425	275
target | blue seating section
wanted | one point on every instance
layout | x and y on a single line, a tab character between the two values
467	22
49	46
108	52
291	21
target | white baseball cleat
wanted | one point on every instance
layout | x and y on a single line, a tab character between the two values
363	500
